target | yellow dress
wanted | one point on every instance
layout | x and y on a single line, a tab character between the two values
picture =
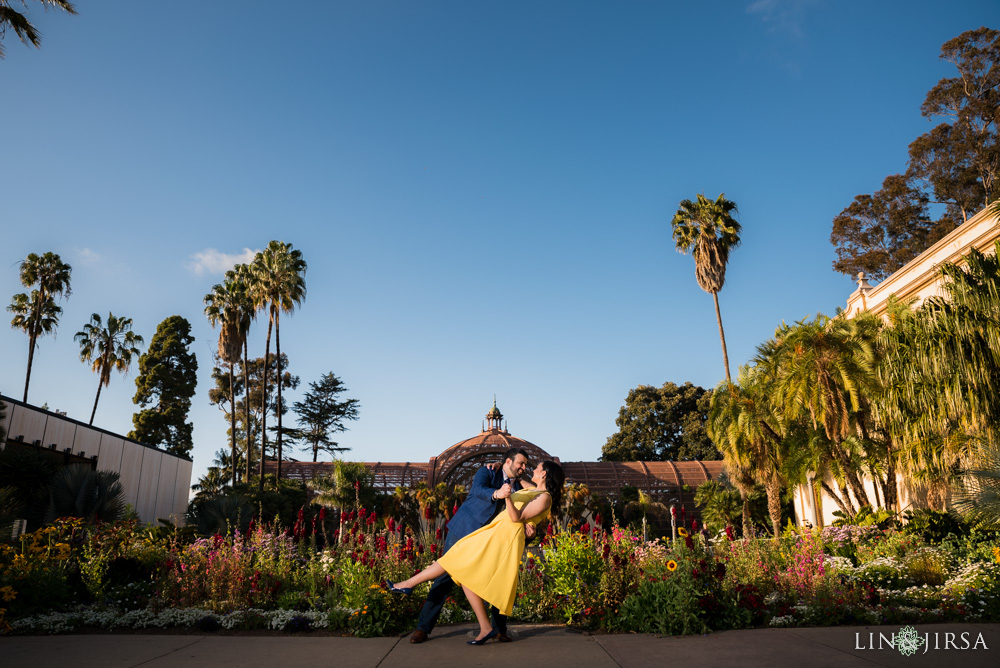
486	561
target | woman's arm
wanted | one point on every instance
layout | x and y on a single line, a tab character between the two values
532	509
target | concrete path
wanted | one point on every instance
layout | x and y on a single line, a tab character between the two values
539	645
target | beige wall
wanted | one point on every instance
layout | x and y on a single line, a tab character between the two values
816	507
155	482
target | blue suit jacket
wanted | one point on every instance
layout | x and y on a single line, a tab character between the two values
479	507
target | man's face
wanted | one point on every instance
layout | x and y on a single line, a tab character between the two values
515	467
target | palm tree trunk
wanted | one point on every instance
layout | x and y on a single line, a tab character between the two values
96	399
836	499
232	423
722	336
891	494
263	401
747	522
277	353
246	404
31	355
774	506
851	475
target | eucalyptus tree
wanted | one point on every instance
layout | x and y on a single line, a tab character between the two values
37	314
706	229
22	27
279	286
107	347
225	306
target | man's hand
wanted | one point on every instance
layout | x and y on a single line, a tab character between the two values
495	466
529	531
503	492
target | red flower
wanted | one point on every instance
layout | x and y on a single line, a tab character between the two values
597	520
729	533
694	525
437	534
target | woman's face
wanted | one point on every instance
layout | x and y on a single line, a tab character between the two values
538	474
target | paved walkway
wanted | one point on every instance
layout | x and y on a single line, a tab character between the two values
540	645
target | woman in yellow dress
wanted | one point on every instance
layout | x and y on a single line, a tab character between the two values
486	561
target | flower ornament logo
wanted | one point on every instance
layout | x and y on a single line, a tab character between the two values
908	641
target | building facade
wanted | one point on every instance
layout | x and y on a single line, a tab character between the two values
156	483
916	281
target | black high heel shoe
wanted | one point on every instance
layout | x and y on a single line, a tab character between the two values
397	590
482	641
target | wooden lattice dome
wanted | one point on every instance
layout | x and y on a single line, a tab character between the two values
665	481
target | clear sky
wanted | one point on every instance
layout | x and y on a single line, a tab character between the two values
482	190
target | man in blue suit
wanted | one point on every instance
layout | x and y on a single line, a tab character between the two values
479	508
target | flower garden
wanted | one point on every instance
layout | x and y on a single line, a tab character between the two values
321	575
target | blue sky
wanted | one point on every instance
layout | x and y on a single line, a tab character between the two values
482	191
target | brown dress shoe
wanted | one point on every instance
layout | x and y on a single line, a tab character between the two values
503	637
418	637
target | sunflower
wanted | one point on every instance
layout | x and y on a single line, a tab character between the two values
671	565
682	532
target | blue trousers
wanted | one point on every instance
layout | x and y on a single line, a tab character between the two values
436	597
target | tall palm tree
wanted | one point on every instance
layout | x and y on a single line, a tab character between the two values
22	27
107	347
224	306
38	314
706	229
280	286
243	275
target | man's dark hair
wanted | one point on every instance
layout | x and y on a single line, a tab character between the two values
514	452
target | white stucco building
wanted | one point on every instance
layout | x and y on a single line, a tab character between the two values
155	482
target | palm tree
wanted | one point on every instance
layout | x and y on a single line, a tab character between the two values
706	229
38	314
643	507
977	489
748	430
279	286
107	347
79	491
942	373
824	372
224	305
20	24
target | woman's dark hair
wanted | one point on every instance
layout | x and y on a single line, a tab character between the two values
554	481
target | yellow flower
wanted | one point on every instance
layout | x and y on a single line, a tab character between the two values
671	565
8	593
682	532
